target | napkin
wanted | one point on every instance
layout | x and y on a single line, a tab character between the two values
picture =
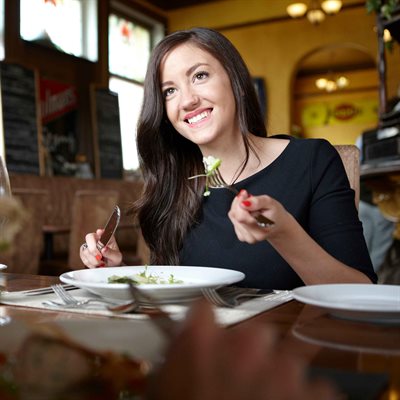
224	316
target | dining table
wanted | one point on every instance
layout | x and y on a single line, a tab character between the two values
361	358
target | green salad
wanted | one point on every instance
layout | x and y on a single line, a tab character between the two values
144	277
211	164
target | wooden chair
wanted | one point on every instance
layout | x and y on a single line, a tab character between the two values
25	256
90	210
350	155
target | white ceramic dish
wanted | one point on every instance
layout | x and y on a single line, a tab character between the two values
194	279
363	302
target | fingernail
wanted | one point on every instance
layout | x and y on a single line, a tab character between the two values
99	257
246	203
242	191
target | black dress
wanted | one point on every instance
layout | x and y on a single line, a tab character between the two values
309	179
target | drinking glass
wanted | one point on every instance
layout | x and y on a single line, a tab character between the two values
5	192
5	189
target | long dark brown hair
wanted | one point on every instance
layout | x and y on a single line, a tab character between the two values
171	203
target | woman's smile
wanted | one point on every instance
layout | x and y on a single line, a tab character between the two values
197	118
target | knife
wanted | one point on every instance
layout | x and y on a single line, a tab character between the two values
109	228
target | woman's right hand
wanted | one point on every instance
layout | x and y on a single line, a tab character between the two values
92	257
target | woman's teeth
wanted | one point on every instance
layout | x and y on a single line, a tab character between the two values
198	117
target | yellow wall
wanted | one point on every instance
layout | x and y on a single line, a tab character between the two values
339	116
274	49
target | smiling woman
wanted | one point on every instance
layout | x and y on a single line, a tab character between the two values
200	101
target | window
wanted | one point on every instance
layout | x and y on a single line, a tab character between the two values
2	30
2	150
66	25
131	38
129	48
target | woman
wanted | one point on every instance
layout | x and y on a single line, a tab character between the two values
199	100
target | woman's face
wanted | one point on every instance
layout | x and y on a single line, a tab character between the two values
198	96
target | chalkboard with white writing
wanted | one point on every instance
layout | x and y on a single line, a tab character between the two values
20	119
108	134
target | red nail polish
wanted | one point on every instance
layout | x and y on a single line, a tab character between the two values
99	257
246	203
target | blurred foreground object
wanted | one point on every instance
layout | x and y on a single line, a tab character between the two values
12	218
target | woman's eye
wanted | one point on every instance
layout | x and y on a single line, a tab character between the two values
168	92
201	75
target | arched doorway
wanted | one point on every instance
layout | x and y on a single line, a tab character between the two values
348	103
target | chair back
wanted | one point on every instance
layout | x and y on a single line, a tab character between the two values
350	155
90	211
25	256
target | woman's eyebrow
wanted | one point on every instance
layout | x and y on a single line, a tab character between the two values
194	67
188	73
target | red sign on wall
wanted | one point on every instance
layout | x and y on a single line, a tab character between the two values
56	99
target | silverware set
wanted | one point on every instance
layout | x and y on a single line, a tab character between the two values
223	297
143	303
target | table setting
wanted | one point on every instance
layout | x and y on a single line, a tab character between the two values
347	351
97	297
130	344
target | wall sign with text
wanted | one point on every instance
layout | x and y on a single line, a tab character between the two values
21	119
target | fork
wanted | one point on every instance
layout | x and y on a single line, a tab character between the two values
71	301
159	317
216	181
231	300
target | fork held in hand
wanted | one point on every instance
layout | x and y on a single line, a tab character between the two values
216	181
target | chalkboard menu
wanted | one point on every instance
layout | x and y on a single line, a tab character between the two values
20	119
107	133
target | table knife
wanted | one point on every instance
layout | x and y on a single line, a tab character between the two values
109	228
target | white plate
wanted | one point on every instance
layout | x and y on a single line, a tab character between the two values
364	302
194	279
3	266
138	338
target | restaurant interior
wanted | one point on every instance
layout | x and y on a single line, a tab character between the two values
68	121
289	58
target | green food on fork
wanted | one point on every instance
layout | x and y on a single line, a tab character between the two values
211	165
214	179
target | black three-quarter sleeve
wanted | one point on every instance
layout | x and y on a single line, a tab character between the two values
333	219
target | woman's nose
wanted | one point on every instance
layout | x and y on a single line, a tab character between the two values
189	98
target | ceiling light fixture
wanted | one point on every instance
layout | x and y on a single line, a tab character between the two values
331	84
316	12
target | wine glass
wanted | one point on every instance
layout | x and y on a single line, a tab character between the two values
5	188
5	205
5	198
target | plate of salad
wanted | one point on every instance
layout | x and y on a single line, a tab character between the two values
164	283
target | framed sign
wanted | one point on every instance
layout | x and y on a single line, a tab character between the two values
21	119
107	133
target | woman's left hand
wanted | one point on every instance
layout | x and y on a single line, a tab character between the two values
242	215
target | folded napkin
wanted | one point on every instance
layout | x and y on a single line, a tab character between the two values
224	316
